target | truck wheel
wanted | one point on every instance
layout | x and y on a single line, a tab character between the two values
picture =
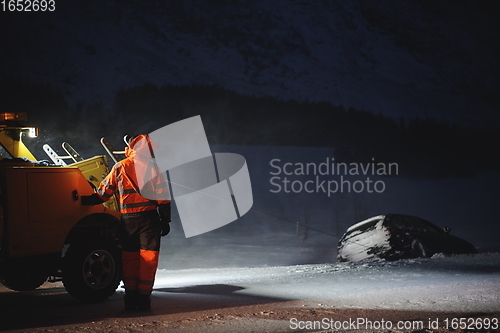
22	281
92	271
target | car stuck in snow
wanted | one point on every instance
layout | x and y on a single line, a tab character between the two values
396	236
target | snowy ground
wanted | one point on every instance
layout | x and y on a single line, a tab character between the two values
415	293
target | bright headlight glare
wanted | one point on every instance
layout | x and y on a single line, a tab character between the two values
33	132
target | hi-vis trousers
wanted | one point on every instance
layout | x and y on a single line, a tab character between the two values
140	250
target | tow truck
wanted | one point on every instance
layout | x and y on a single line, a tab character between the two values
47	232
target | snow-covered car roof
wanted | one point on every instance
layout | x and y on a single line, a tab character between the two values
378	217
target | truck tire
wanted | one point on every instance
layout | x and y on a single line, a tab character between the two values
91	271
22	281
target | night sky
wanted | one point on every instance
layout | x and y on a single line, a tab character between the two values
434	59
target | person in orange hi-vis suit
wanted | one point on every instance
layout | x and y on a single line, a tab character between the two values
134	180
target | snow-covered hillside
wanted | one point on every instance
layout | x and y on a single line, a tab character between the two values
400	58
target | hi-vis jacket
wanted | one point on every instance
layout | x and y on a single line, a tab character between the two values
135	180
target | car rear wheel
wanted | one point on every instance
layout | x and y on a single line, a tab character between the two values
92	271
418	250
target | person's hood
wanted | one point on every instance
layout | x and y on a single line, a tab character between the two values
140	145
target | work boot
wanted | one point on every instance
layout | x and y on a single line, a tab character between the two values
144	303
131	300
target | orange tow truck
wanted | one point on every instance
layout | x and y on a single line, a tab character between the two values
47	233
